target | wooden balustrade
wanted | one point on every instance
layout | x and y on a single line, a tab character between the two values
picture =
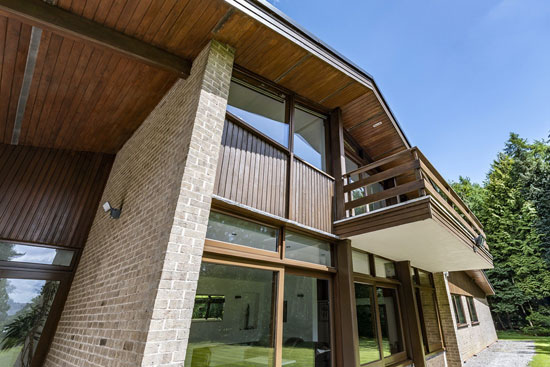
412	176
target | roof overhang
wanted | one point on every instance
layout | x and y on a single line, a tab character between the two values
482	281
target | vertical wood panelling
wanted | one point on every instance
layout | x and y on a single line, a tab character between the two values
312	197
49	196
251	171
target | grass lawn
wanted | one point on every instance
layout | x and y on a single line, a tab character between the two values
542	345
8	357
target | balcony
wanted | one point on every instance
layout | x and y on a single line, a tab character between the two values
400	207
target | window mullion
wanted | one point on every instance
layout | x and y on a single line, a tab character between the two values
279	318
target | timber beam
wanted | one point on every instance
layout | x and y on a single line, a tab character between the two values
57	20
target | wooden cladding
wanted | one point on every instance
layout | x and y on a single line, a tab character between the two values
312	196
49	196
252	170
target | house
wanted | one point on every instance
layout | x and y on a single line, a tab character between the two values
204	183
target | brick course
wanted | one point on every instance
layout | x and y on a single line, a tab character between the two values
131	300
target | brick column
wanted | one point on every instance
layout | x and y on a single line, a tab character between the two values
447	320
131	300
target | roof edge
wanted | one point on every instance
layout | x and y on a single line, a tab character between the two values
275	19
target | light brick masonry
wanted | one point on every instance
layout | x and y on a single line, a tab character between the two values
131	300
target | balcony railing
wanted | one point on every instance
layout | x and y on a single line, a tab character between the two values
403	177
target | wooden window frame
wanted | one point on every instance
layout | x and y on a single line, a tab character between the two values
472	306
377	282
417	287
459	324
225	253
4	264
291	102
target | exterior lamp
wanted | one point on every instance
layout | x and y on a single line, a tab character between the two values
114	212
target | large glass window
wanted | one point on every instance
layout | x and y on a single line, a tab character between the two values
392	340
369	350
472	308
261	109
309	137
24	308
460	316
306	322
238	231
426	302
240	331
361	262
304	248
363	191
10	251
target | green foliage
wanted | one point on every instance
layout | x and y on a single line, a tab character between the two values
514	206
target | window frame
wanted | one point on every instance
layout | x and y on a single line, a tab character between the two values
292	101
377	282
472	307
5	264
456	303
225	253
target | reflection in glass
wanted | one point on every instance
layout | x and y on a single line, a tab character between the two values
262	110
363	191
240	329
472	309
459	309
390	324
303	248
366	324
35	254
424	278
306	322
309	138
360	262
230	229
24	308
384	268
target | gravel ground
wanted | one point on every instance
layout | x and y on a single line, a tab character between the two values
504	353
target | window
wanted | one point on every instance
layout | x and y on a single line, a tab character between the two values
369	350
460	316
306	322
260	109
392	339
361	262
26	306
226	228
384	268
472	309
303	248
35	254
269	113
364	191
426	301
309	137
244	334
208	307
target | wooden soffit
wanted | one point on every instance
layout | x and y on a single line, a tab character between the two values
84	96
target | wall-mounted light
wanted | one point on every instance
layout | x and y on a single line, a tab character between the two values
114	212
377	124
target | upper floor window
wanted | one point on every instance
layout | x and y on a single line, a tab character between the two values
309	137
261	109
271	113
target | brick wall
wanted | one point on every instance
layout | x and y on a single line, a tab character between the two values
473	338
452	352
131	301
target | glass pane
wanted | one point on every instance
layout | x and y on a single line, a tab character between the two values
430	321
263	111
230	229
373	189
233	321
306	322
472	308
360	262
392	341
303	248
35	254
384	268
459	309
309	138
24	308
366	324
357	193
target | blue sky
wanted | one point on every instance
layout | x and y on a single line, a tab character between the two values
458	75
